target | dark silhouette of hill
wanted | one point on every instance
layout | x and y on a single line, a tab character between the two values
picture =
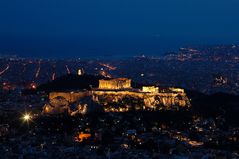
71	82
75	82
215	105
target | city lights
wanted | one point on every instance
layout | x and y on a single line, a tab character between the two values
119	79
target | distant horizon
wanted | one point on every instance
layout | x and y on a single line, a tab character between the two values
100	47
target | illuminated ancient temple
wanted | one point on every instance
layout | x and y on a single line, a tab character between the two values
151	89
117	95
115	84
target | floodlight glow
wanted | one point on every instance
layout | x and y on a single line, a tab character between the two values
26	117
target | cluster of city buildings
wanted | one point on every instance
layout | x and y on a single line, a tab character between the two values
192	68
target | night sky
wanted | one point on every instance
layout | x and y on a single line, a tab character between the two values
81	28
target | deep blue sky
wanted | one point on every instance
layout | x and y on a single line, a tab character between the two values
76	28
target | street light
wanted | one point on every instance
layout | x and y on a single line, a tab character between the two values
26	117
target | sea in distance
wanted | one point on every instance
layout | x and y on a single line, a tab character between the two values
110	48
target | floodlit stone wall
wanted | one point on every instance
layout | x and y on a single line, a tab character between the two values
150	100
69	96
179	90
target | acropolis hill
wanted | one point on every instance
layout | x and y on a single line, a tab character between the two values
117	95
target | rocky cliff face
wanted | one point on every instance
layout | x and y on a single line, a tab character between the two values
140	100
56	105
120	101
71	97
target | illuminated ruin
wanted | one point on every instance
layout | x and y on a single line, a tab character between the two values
151	89
117	95
114	84
56	105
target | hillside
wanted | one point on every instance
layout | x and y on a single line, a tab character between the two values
71	82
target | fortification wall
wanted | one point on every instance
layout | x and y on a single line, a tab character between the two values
150	99
127	99
69	96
